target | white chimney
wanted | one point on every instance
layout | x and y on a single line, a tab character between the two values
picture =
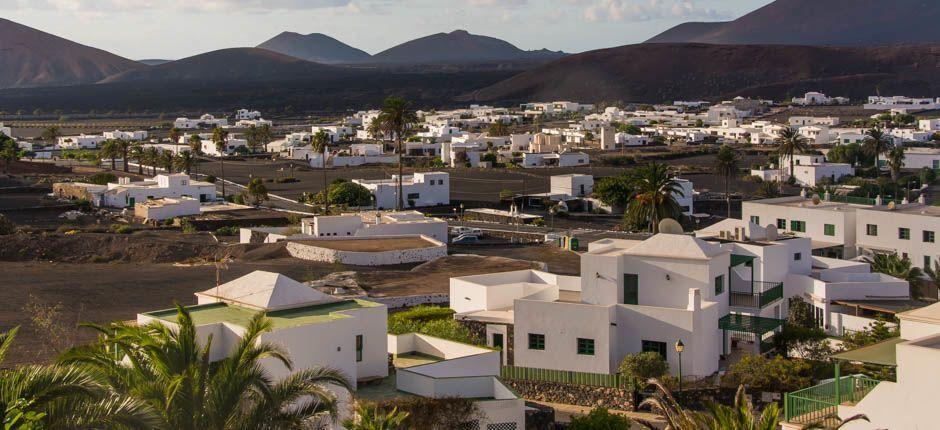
124	181
695	299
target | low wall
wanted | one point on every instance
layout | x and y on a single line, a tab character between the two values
410	301
309	251
570	394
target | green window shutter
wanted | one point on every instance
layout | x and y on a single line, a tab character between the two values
537	341
585	346
631	289
871	229
904	233
929	236
755	219
654	346
359	345
781	224
829	230
719	284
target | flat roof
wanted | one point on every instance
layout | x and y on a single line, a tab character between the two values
370	244
885	306
883	353
222	312
806	203
909	209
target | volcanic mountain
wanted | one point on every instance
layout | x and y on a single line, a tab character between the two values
234	64
653	72
459	46
315	47
32	58
820	22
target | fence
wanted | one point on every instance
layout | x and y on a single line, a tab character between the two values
763	294
566	377
816	403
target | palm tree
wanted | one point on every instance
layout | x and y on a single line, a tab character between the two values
219	138
174	136
62	397
895	161
654	195
152	156
789	143
264	136
110	149
124	148
370	417
665	405
251	135
184	162
170	370
876	143
901	268
726	165
195	144
138	153
740	416
318	143
398	118
51	134
166	160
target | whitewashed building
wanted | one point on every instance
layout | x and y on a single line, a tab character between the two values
376	224
138	135
204	121
419	189
82	141
126	193
565	159
247	115
810	169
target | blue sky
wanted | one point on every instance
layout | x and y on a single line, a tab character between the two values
179	28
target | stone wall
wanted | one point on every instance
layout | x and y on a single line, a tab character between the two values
309	251
479	331
570	394
410	301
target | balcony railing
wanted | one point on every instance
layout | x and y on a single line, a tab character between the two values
565	377
763	294
814	404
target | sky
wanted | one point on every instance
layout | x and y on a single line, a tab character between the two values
173	29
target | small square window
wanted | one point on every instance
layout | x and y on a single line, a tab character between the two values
829	229
904	233
799	226
929	236
871	229
654	346
755	219
797	256
719	284
585	346
781	224
537	341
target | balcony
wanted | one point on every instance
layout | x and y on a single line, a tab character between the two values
816	404
755	294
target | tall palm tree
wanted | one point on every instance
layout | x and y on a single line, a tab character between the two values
654	195
124	146
319	143
264	136
184	162
876	143
153	158
251	135
219	138
726	165
895	161
174	136
170	370
138	153
398	118
51	134
195	144
62	397
166	160
789	144
110	149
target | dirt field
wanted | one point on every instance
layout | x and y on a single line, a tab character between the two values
144	246
434	276
369	245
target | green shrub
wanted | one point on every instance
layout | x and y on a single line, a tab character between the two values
599	419
765	374
432	321
103	178
210	179
6	226
121	229
642	366
227	231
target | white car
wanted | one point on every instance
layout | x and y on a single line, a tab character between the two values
466	231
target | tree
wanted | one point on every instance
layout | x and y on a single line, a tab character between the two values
174	136
876	331
740	416
398	118
641	367
137	153
614	191
264	136
629	129
665	405
349	194
184	162
768	189
51	134
110	149
599	419
776	374
256	191
219	138
901	268
370	417
789	144
124	147
6	226
850	153
152	156
62	397
318	143
8	151
498	129
167	160
801	313
726	166
195	144
655	196
876	143
895	161
170	371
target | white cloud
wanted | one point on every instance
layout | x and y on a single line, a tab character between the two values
100	6
498	3
645	10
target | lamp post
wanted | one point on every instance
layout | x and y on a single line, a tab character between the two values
679	348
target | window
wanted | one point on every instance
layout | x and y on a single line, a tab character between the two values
829	229
631	289
871	229
585	346
781	223
927	264
928	236
537	341
797	256
904	233
654	346
799	226
755	219
818	316
414	196
719	284
358	347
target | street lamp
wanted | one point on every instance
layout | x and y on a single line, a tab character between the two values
679	348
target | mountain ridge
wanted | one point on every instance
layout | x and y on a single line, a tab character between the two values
316	47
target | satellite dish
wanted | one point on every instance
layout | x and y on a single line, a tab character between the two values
816	199
670	226
891	205
771	232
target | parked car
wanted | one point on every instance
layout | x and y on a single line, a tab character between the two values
460	231
465	239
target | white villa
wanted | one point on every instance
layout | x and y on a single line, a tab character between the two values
205	121
126	193
376	224
808	170
551	159
419	189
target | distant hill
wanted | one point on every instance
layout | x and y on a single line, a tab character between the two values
32	58
458	46
660	72
819	23
234	64
153	61
315	47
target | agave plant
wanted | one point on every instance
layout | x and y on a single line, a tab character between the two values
370	417
740	416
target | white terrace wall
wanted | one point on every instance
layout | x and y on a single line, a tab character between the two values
307	250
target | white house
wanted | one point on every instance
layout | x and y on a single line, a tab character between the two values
334	132
810	169
231	146
6	131
908	230
902	104
82	141
931	125
574	185
138	135
376	224
316	330
814	98
247	115
166	208
260	122
802	121
125	193
419	189
205	121
685	199
565	159
918	158
830	224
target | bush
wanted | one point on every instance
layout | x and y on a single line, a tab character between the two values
6	226
643	366
227	231
121	229
539	222
776	375
599	419
432	321
103	178
210	179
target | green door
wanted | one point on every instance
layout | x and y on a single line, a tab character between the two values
498	340
130	202
631	289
